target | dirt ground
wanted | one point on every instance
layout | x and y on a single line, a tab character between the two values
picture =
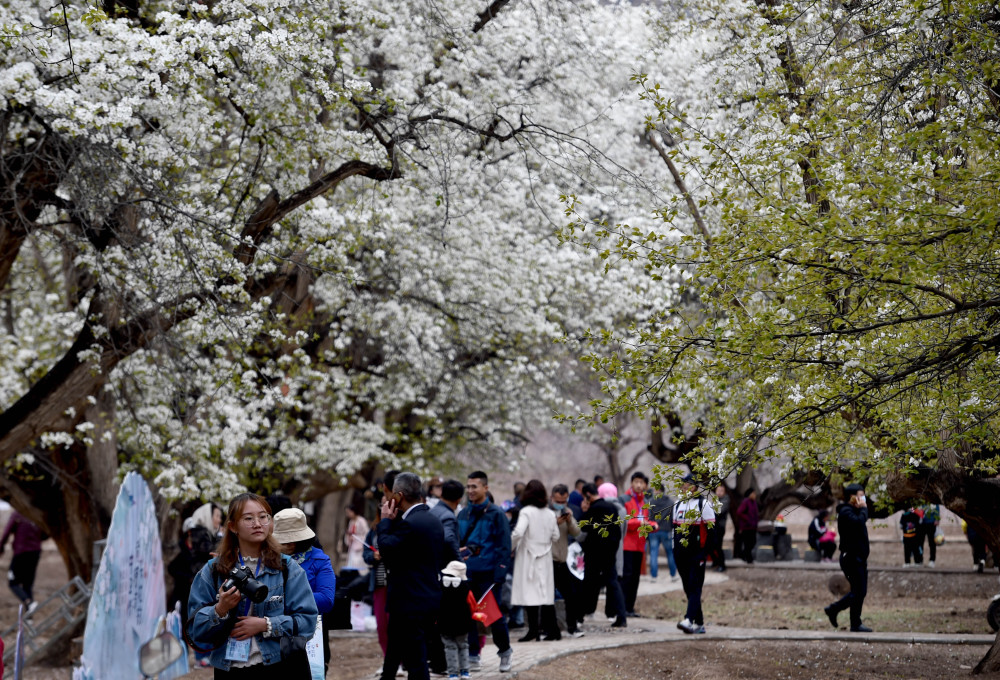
914	600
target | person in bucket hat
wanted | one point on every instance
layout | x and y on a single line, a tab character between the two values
299	542
455	620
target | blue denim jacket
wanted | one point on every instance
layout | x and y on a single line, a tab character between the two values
282	607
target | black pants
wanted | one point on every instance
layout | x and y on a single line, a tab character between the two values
478	584
718	554
748	540
21	578
856	571
569	587
631	570
407	645
913	547
691	566
927	531
549	625
599	570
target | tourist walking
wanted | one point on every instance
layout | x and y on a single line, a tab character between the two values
600	552
634	545
455	619
661	508
929	523
567	584
693	541
484	543
533	586
27	548
909	525
852	516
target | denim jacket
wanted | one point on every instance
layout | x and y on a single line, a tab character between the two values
297	605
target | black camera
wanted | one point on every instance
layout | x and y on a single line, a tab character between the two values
243	579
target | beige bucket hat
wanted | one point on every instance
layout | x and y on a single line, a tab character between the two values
290	526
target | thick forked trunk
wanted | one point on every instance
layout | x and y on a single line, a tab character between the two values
991	662
974	499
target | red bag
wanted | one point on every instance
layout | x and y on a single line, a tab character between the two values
485	610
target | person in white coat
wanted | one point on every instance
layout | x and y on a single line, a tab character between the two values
534	581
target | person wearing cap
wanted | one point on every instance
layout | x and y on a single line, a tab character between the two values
455	619
852	516
693	521
299	542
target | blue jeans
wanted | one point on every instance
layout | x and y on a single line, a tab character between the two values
653	541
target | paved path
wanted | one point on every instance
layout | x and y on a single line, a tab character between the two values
599	634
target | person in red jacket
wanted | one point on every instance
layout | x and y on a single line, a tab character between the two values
634	548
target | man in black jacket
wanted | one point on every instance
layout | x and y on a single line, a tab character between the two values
851	518
411	544
599	555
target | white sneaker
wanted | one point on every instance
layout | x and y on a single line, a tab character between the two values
931	564
474	665
31	608
577	633
684	625
506	660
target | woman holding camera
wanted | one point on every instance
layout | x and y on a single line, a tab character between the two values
230	613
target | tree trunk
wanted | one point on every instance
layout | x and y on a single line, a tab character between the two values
991	662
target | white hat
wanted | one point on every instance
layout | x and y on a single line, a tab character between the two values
456	569
290	526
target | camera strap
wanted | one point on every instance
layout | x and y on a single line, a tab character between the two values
246	612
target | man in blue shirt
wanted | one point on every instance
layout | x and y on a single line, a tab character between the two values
484	545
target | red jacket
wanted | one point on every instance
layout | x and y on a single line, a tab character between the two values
634	509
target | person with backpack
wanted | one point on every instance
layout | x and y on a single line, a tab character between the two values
693	521
909	524
248	640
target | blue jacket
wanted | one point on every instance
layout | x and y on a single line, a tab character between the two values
488	540
322	580
297	605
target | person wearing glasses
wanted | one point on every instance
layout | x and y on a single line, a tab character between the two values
246	638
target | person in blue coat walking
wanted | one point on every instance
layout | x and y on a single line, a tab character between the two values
299	542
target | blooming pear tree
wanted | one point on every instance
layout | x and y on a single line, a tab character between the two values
261	242
848	163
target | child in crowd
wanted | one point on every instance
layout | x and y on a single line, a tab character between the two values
456	619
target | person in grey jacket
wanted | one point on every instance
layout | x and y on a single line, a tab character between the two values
446	510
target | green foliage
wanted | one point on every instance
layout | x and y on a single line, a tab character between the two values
848	294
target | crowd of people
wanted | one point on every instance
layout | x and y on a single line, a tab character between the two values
444	565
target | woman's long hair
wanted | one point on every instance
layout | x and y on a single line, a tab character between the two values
270	551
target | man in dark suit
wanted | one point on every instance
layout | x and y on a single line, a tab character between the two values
411	544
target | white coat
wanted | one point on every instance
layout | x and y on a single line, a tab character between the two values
536	531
